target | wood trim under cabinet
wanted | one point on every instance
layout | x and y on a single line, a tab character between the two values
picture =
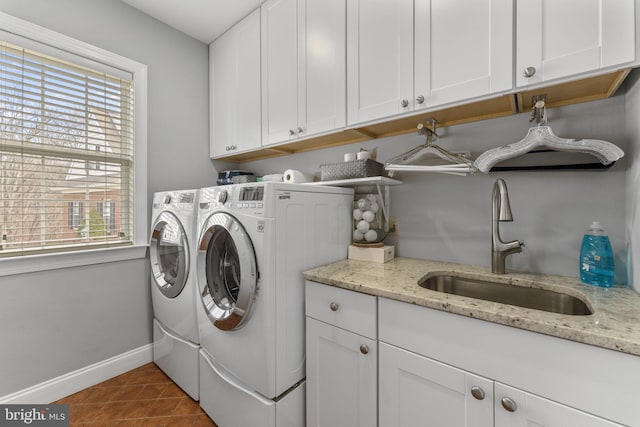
573	92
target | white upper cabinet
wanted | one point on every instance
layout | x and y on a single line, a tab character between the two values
405	56
561	38
325	64
303	68
463	50
380	58
235	88
281	70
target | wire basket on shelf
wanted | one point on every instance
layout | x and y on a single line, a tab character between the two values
353	169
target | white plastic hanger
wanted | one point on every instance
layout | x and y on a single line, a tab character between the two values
542	136
428	157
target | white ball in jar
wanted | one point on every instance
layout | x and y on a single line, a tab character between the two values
368	216
371	235
357	214
373	207
363	204
362	226
357	235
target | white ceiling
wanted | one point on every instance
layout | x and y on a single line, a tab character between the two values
203	20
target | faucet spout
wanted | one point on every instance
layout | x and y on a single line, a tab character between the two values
501	211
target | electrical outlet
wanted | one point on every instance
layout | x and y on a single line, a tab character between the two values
393	225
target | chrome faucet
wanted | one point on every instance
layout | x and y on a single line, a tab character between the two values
501	211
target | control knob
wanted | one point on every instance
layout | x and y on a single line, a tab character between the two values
222	197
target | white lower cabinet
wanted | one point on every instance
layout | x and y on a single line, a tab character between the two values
415	390
341	377
342	363
516	408
374	361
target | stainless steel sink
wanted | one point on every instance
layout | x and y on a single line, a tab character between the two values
534	298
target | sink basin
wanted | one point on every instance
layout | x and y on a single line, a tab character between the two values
488	290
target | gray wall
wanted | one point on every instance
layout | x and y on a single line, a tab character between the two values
56	322
448	218
633	180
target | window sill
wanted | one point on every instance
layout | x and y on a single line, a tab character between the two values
55	261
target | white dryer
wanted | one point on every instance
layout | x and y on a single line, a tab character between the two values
173	287
255	240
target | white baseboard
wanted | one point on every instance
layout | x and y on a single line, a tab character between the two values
73	382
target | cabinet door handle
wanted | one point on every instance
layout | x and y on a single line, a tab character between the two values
299	130
292	132
334	306
477	392
529	72
404	103
509	404
364	349
420	99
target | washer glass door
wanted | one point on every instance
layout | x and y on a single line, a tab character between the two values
169	255
227	271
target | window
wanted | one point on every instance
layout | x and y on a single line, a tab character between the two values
74	215
67	140
107	211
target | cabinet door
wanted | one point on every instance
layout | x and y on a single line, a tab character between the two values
516	408
463	49
380	60
235	88
281	75
341	377
326	73
559	38
415	390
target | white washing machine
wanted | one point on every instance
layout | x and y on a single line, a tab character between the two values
255	240
173	287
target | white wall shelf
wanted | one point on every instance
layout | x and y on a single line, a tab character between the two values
356	182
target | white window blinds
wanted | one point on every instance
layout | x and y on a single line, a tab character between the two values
66	154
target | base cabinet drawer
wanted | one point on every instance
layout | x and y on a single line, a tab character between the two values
343	308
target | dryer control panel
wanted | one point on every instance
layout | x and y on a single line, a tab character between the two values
251	194
248	199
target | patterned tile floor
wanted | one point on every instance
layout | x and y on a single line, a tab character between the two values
142	397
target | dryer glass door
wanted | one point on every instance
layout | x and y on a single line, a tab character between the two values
169	254
227	271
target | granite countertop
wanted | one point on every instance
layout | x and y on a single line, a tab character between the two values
614	324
